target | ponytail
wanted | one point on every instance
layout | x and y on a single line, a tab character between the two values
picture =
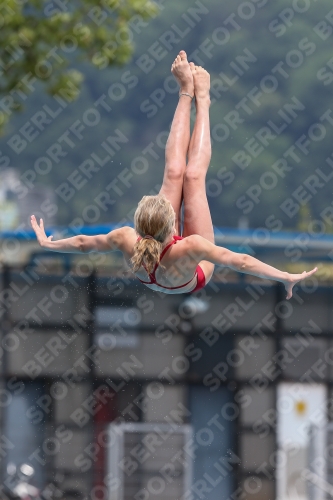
154	221
147	252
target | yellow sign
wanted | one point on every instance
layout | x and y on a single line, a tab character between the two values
300	407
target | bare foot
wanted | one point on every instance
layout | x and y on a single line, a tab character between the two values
182	72
201	79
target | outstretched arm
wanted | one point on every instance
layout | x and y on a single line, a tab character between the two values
246	264
77	244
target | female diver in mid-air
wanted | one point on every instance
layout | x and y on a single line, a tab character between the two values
188	260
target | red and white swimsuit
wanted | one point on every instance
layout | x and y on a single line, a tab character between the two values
198	279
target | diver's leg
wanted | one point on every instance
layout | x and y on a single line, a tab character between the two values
179	137
197	217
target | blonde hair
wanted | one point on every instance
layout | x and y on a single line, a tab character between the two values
155	217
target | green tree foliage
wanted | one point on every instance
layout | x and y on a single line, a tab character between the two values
40	41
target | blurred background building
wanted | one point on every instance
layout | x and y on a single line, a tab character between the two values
16	203
111	391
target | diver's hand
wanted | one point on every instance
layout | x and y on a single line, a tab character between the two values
43	240
293	279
